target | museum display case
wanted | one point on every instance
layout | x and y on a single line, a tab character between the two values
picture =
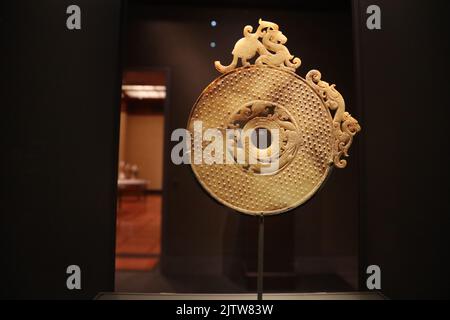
313	247
224	150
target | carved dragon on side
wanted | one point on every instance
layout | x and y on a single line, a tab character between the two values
344	125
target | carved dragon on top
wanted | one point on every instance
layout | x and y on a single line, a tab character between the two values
272	50
269	43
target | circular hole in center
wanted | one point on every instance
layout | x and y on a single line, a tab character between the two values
261	138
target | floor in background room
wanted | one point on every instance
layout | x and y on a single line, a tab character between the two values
138	239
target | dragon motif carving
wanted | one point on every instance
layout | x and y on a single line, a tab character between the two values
344	125
269	43
270	116
272	50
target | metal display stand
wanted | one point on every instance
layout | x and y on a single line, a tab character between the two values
260	274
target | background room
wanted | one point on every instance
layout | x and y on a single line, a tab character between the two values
138	230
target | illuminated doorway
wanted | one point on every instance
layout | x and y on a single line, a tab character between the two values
140	176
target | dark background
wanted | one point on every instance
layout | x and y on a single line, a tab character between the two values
403	83
60	102
60	92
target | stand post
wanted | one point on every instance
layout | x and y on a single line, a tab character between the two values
259	284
